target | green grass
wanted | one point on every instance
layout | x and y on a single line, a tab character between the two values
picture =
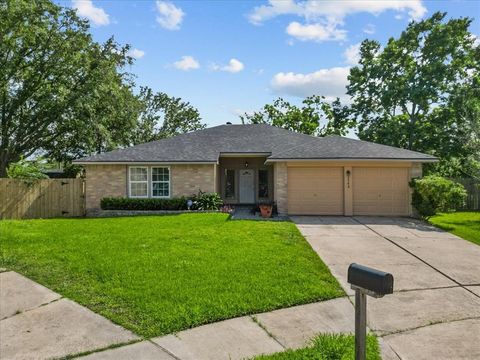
328	347
158	275
464	224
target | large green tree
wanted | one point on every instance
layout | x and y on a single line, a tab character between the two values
314	117
61	93
163	116
420	91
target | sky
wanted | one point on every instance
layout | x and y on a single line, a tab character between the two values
231	57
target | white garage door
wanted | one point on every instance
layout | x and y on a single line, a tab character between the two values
315	191
380	191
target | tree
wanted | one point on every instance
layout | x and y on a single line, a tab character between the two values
163	116
412	92
316	117
61	93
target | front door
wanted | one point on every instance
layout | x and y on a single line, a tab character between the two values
247	187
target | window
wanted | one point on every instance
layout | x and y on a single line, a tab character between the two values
229	184
160	182
138	182
263	183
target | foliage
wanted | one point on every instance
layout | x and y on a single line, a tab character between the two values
316	116
432	194
163	116
207	201
456	125
421	91
157	275
54	83
28	171
121	203
72	171
328	347
463	224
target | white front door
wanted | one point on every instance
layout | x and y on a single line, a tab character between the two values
247	187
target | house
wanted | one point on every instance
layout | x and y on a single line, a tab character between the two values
249	163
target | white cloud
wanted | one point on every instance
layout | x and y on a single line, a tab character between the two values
186	63
169	16
96	15
324	19
136	53
233	66
314	9
316	32
352	54
369	29
328	82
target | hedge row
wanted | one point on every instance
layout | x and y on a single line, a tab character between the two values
118	203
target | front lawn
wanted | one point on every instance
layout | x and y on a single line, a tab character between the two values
157	275
463	224
328	347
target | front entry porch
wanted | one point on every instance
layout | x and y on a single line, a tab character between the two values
245	180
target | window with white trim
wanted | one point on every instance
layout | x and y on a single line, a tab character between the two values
138	181
161	182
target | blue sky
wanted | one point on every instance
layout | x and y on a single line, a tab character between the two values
230	57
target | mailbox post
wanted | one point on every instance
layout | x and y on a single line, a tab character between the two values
366	281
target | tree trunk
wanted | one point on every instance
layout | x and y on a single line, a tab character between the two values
3	169
4	162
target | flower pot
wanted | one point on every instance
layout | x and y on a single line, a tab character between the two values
266	211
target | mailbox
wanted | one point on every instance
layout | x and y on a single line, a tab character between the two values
373	282
366	281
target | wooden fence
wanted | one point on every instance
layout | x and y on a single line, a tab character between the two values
42	199
473	193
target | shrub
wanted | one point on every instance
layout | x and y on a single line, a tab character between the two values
27	171
119	203
207	201
433	194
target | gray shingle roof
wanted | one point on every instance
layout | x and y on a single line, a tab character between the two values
207	145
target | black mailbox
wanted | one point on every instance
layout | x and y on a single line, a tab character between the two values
375	282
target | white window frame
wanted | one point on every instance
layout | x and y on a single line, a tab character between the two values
169	182
130	182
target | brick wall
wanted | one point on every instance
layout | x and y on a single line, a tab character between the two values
280	176
103	181
189	179
111	180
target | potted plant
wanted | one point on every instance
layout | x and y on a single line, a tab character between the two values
266	208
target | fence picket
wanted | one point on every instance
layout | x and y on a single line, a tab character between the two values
43	199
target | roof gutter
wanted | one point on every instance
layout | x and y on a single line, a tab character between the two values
79	162
424	160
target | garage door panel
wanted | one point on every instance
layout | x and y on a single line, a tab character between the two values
380	191
315	191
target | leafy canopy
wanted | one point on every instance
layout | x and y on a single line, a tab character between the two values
421	91
315	117
54	82
163	116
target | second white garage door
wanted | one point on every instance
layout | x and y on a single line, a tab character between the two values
380	191
315	191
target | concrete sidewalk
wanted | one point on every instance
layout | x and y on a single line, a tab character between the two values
244	337
434	312
37	323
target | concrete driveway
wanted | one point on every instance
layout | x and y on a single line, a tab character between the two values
434	312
